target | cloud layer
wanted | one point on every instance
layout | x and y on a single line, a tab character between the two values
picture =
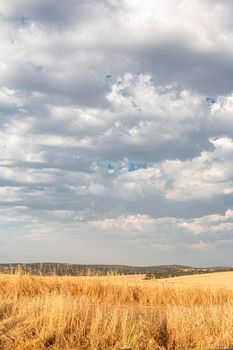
116	132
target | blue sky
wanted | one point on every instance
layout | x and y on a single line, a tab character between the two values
116	131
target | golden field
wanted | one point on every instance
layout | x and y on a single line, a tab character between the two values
210	280
113	312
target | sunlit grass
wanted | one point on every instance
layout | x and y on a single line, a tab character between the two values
111	312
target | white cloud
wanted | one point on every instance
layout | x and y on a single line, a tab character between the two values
210	223
205	176
113	112
154	113
221	113
167	233
137	184
129	223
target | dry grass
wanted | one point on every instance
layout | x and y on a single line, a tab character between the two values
112	312
209	280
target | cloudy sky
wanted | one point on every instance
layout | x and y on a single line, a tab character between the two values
116	131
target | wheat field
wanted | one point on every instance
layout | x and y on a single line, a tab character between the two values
113	312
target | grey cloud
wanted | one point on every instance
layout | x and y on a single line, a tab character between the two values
88	87
80	89
208	73
61	15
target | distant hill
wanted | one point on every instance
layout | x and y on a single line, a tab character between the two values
60	269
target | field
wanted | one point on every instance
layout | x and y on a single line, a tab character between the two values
211	280
90	313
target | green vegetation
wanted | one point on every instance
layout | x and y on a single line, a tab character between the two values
60	269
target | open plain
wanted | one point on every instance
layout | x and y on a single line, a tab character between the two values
98	313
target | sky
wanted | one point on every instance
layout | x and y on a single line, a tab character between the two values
116	131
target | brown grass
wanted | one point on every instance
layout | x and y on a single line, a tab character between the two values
110	313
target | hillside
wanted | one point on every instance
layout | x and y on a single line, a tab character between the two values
61	269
